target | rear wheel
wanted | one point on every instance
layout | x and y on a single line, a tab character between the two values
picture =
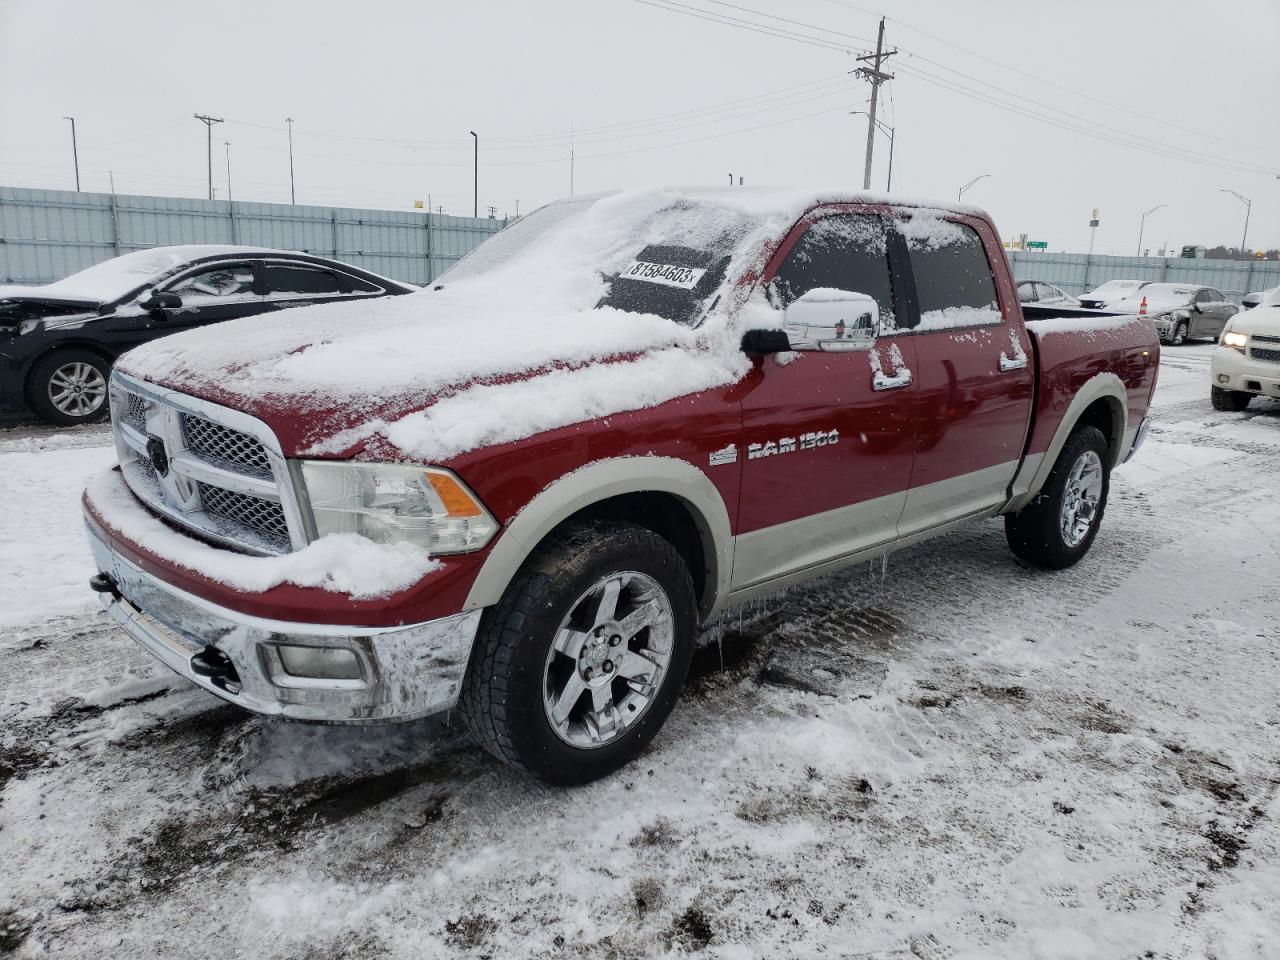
69	387
578	666
1057	528
1232	401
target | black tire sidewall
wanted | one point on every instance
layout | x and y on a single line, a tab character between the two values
38	386
539	747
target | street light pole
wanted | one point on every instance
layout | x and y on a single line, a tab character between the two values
293	197
1143	225
1248	208
980	176
475	179
227	144
75	153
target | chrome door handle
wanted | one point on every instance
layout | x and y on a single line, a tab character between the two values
882	382
1012	363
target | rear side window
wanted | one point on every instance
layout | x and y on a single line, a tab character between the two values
843	252
954	283
300	280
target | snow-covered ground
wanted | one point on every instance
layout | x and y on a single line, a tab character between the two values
952	757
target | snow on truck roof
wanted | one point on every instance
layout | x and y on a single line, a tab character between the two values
571	307
112	279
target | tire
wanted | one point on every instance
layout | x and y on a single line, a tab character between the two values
544	640
1179	334
1036	532
69	387
1232	401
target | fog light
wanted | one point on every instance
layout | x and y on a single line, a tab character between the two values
1224	378
319	663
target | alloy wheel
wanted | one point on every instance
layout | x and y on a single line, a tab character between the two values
1080	498
77	389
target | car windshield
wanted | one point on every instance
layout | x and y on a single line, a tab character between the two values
1119	286
665	255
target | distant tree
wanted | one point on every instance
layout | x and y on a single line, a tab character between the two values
1235	253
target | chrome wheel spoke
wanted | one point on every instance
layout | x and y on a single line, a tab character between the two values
633	665
647	614
569	642
567	699
607	607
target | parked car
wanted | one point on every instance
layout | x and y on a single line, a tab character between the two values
1251	300
58	341
519	493
1037	291
1102	296
1180	311
1246	362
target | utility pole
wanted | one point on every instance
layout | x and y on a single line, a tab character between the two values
75	153
227	144
475	180
208	126
875	76
293	197
571	161
1248	209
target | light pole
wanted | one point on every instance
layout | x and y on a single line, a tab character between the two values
227	144
980	176
208	126
1248	208
888	131
75	153
1143	225
293	197
475	179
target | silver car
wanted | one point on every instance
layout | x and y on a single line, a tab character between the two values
1103	296
1180	311
1037	291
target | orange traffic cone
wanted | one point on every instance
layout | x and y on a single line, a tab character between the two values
1142	307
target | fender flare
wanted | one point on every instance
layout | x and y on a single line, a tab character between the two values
599	481
1099	386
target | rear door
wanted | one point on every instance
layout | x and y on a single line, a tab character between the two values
973	372
827	445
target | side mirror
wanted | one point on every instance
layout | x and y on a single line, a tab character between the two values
162	301
833	320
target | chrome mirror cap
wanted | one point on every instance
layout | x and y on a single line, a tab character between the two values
832	320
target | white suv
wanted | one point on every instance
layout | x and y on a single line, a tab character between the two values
1246	362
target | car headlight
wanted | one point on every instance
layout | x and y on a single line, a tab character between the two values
1236	341
396	503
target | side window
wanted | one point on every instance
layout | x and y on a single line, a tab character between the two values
954	282
356	285
1027	292
1048	292
1218	296
299	280
225	283
842	252
1204	296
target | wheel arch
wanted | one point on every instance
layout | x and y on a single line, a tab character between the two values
1102	402
669	496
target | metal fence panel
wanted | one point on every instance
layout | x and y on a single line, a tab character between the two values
47	234
1078	273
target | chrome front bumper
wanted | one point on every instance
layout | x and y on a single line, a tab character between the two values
406	672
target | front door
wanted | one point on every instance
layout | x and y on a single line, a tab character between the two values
973	372
1211	313
827	448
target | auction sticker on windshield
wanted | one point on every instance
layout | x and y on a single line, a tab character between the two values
686	278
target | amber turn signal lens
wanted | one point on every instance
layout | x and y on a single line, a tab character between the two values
455	499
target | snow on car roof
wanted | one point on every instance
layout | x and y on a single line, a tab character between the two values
112	279
527	304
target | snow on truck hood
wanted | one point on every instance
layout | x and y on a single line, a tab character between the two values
532	331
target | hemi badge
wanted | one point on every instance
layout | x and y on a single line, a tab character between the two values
724	455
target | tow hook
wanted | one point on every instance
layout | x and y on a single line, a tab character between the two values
217	667
101	583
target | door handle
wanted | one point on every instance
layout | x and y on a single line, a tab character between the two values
880	381
1012	363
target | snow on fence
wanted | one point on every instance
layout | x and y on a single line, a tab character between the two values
1079	272
47	234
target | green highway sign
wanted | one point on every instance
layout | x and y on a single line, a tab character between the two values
1037	245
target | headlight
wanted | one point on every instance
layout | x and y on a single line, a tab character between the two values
1236	341
394	503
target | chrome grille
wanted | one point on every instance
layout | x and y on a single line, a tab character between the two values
222	475
1272	356
224	446
264	516
1261	339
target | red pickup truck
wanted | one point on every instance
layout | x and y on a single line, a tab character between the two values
522	491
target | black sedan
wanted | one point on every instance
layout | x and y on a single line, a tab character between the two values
58	341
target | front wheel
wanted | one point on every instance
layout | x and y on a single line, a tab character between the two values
69	387
1057	528
1232	401
578	666
1180	334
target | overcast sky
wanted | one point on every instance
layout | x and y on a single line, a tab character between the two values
384	93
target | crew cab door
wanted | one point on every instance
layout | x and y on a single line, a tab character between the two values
973	371
827	445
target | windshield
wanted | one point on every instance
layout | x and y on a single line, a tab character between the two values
1119	286
651	253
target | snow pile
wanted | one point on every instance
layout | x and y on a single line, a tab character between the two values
511	339
341	563
949	318
901	375
1096	326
